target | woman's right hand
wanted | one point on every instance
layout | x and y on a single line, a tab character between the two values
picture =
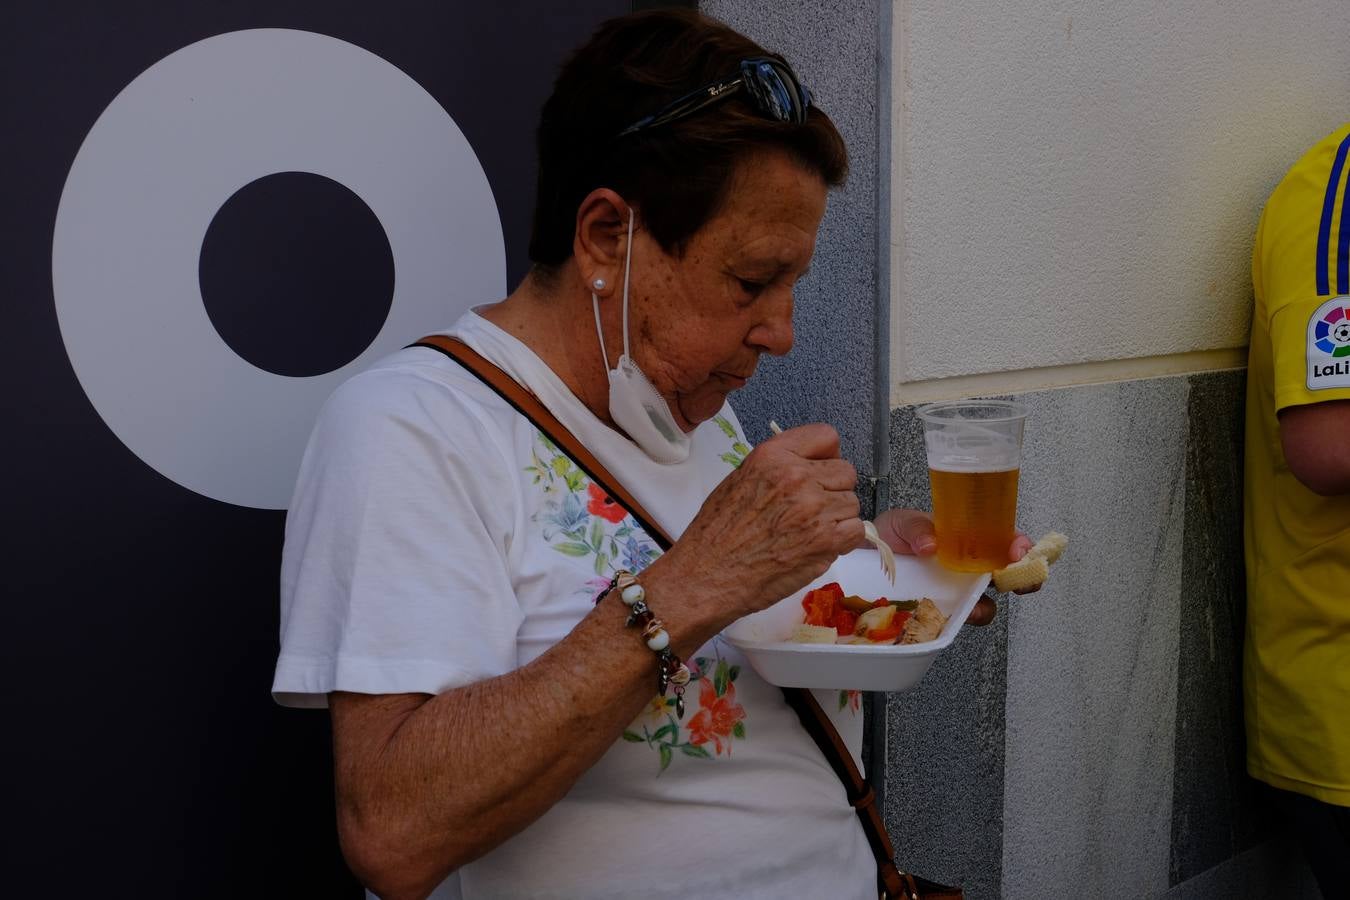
773	525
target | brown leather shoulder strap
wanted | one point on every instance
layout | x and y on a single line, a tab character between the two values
814	719
529	406
859	793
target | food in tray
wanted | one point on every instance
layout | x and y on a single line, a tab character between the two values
1028	572
814	634
832	617
1033	569
925	625
1051	547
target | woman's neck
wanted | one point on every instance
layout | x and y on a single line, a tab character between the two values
557	323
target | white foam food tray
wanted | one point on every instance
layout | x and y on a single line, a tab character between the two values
762	637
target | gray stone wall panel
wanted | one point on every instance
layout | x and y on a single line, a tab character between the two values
1092	657
1091	741
1213	815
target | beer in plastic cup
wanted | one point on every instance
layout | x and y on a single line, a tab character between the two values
974	455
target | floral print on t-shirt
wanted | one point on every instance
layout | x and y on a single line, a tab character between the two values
739	448
579	519
718	721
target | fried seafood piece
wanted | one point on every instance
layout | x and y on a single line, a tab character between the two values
1032	570
925	625
1028	572
1050	547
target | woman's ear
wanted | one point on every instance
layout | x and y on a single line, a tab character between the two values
599	243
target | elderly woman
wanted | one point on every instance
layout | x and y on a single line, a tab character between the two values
497	732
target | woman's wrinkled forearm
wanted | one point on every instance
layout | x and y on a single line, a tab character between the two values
426	784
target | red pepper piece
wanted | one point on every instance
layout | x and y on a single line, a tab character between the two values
844	621
820	607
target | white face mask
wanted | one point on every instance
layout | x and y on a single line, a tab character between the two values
634	404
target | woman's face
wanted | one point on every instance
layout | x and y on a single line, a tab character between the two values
701	321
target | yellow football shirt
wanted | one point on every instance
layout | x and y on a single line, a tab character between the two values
1296	662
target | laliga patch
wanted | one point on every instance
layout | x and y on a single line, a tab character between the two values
1329	345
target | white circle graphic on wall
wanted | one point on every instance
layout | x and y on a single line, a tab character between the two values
162	159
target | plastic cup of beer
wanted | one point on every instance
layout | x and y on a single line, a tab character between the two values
974	457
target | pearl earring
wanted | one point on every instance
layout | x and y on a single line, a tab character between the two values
599	284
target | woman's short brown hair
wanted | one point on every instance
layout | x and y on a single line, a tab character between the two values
676	174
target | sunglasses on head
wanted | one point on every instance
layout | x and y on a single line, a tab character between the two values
771	86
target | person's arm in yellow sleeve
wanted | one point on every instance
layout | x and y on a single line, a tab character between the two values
1316	442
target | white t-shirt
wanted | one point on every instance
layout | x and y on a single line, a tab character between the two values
436	538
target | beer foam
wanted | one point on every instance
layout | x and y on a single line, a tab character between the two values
975	467
971	449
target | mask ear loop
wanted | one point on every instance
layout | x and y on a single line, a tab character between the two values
595	305
595	301
627	265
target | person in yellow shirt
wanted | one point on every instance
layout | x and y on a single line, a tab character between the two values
1296	662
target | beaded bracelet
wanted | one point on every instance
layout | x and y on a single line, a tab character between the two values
671	672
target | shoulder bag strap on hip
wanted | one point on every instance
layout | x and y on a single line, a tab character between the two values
891	881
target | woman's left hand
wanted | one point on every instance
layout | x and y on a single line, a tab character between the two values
910	531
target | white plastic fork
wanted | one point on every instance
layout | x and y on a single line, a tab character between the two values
869	531
883	548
